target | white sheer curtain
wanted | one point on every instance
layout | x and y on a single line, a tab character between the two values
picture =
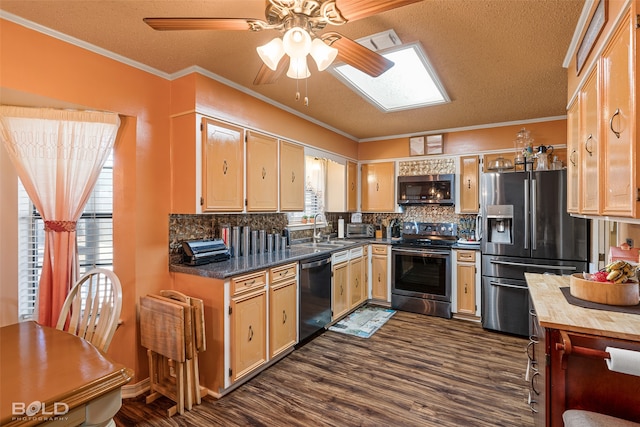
316	182
58	155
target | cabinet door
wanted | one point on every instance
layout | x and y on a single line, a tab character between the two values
291	177
356	284
379	277
262	176
340	290
466	288
283	301
589	137
573	160
378	187
618	192
222	167
248	333
352	187
469	172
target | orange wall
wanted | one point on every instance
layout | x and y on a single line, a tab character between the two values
36	64
471	141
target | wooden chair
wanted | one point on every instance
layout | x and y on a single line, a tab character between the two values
92	308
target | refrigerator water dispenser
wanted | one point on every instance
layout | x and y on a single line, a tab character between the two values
500	222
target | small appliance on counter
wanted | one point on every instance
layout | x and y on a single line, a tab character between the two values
360	231
199	252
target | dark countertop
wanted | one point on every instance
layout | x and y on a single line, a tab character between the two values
248	264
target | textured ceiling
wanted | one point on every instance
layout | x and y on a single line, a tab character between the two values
499	60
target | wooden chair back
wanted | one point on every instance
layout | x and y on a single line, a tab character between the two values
92	308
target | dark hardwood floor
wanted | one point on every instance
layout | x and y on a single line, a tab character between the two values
415	371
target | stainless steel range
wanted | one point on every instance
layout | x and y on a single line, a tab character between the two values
421	268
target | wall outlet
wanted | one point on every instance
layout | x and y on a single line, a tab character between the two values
629	242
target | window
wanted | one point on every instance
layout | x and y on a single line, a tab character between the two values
94	232
315	170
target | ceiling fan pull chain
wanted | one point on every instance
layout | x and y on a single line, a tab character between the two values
306	90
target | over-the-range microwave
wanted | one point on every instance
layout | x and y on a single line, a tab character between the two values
426	189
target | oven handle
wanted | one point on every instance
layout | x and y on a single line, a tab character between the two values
424	252
524	264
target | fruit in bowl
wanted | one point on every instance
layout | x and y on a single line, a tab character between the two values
616	284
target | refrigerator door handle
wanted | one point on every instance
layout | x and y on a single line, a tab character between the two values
534	215
524	264
526	214
504	285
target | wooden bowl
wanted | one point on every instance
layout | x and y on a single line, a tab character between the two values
603	292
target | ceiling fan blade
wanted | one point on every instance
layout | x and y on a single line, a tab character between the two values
267	76
171	24
358	9
358	56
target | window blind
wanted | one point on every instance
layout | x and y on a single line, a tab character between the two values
94	232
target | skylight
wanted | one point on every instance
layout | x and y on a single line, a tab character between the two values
410	83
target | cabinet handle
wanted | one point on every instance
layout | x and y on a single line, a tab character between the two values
378	277
616	133
572	158
353	186
250	333
264	173
251	282
341	289
377	186
533	377
225	167
469	184
465	288
586	145
293	176
284	273
284	317
356	282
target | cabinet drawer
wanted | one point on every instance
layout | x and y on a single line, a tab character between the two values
248	282
466	256
283	272
379	249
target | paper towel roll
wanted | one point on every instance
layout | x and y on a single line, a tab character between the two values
623	361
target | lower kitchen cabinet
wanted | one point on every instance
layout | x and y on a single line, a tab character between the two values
379	273
567	370
357	286
283	301
250	322
467	282
339	285
248	319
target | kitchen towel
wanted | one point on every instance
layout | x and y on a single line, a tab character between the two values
623	361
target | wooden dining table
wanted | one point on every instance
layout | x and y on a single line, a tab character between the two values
51	375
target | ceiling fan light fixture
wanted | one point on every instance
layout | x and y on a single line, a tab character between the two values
271	53
298	68
296	42
323	54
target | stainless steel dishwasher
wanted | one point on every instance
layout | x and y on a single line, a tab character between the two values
315	295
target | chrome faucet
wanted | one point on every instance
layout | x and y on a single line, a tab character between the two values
316	237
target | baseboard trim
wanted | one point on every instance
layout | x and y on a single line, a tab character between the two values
130	391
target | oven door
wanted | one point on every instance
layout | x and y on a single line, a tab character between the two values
421	273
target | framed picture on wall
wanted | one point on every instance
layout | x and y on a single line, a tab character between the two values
416	146
434	144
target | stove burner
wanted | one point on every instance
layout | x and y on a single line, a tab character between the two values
429	234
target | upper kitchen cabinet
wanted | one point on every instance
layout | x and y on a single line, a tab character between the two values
469	173
262	173
222	167
378	187
335	194
590	149
573	148
352	187
607	145
620	181
291	177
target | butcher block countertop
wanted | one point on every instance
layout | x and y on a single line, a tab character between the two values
555	312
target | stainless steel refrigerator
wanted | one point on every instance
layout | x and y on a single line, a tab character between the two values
526	228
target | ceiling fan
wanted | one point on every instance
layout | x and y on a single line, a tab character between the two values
299	20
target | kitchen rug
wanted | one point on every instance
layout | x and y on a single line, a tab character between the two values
363	322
